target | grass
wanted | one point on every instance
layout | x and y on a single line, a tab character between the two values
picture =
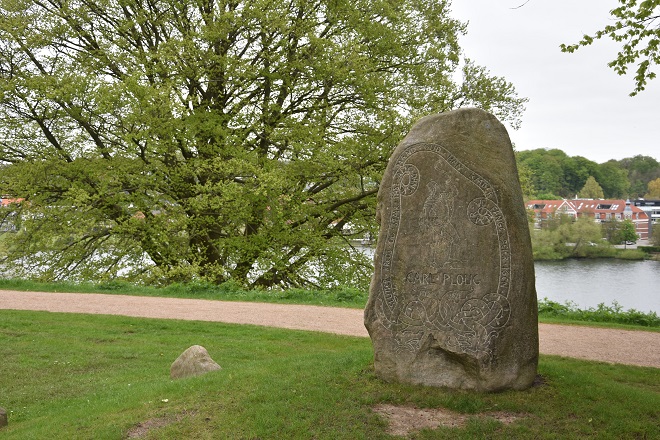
68	376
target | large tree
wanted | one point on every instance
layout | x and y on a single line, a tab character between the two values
554	172
641	170
546	167
628	232
591	189
234	140
613	179
654	189
636	25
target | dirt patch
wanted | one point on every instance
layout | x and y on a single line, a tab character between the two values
402	420
142	429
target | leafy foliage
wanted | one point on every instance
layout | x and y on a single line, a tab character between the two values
654	189
641	171
591	189
628	232
655	236
614	180
562	237
525	179
637	26
239	140
602	313
554	174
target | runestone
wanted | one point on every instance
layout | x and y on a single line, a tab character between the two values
452	302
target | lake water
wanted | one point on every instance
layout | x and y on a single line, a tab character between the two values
587	283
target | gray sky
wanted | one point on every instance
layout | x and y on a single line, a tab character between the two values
576	103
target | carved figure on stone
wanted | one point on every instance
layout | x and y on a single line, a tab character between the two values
437	219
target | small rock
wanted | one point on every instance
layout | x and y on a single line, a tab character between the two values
195	361
3	418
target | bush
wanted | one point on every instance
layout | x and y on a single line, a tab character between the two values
350	295
631	254
602	313
600	252
115	286
547	253
649	249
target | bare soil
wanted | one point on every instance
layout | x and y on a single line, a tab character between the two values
402	420
639	348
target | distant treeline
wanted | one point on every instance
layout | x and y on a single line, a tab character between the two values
552	174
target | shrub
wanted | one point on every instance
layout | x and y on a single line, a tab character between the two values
601	313
649	249
631	254
547	253
600	252
115	285
350	295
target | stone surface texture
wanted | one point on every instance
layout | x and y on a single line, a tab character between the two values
3	418
452	302
194	361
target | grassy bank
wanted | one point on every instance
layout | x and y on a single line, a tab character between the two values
549	311
562	252
69	376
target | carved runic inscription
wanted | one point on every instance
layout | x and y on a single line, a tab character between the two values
452	223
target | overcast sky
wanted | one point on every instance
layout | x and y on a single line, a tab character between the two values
576	103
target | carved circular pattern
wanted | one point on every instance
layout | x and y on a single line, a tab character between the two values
409	180
499	313
480	211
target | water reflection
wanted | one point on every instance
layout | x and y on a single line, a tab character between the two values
632	284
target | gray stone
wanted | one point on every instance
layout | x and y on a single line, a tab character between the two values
194	361
452	302
3	418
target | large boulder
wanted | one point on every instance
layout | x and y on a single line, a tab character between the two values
194	361
452	302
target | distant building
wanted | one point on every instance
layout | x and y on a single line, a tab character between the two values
600	210
8	217
6	201
650	207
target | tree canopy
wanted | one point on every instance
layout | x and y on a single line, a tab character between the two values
628	232
654	189
554	174
591	189
237	140
636	24
641	170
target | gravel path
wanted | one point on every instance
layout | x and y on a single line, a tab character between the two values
607	345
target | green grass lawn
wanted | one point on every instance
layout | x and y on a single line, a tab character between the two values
68	376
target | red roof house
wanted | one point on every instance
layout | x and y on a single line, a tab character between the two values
599	209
